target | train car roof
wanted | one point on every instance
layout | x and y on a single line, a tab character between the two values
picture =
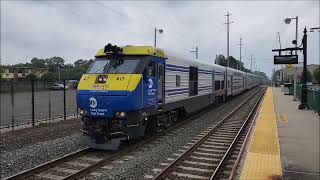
157	52
136	50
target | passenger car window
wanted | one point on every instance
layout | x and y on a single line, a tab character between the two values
177	80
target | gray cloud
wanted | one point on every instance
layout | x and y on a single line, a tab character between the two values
77	29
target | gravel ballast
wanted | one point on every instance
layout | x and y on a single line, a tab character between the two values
146	162
26	148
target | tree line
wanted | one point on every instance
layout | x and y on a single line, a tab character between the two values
68	71
236	64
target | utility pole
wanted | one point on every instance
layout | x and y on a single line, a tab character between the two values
280	54
195	52
228	24
279	40
240	44
251	63
228	32
216	60
59	72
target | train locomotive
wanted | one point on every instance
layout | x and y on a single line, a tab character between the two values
130	91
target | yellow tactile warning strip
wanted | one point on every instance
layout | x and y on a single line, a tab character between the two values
263	156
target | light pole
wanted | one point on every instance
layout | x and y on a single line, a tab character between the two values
287	21
155	35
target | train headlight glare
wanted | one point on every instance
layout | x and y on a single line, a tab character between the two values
102	79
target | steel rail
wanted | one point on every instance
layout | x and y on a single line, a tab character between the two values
43	167
245	141
224	158
198	143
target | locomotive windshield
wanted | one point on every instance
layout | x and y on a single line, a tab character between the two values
98	66
126	65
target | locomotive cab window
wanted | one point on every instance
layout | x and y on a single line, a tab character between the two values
119	65
151	70
98	66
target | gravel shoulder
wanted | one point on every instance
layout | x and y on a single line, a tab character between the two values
26	148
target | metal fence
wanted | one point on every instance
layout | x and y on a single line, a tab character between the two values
33	102
313	97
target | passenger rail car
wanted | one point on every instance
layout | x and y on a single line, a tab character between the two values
133	90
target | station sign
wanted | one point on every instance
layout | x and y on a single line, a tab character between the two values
286	59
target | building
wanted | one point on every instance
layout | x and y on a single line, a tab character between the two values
288	73
19	73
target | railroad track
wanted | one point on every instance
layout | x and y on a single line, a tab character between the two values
213	155
87	160
66	167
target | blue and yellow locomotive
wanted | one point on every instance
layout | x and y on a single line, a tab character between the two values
118	93
133	90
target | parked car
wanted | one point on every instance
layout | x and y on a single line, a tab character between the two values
58	87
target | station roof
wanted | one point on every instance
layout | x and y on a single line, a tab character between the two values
137	50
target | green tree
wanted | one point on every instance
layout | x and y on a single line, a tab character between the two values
49	77
54	62
40	63
309	77
1	71
316	75
31	77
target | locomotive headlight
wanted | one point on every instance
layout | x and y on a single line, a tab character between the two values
102	79
120	114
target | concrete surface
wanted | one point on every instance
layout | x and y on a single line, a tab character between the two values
298	137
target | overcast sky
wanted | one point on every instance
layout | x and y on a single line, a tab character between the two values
77	29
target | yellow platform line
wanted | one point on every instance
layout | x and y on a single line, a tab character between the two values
263	155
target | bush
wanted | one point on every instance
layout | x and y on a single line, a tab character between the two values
31	77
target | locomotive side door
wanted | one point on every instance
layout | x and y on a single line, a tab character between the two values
160	76
150	85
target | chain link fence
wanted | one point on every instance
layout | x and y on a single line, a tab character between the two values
28	103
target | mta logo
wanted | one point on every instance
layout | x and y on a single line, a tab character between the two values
93	102
150	83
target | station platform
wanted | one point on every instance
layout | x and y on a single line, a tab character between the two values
284	142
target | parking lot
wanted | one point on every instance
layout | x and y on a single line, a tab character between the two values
47	104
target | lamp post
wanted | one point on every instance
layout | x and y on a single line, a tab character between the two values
155	35
304	93
287	21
